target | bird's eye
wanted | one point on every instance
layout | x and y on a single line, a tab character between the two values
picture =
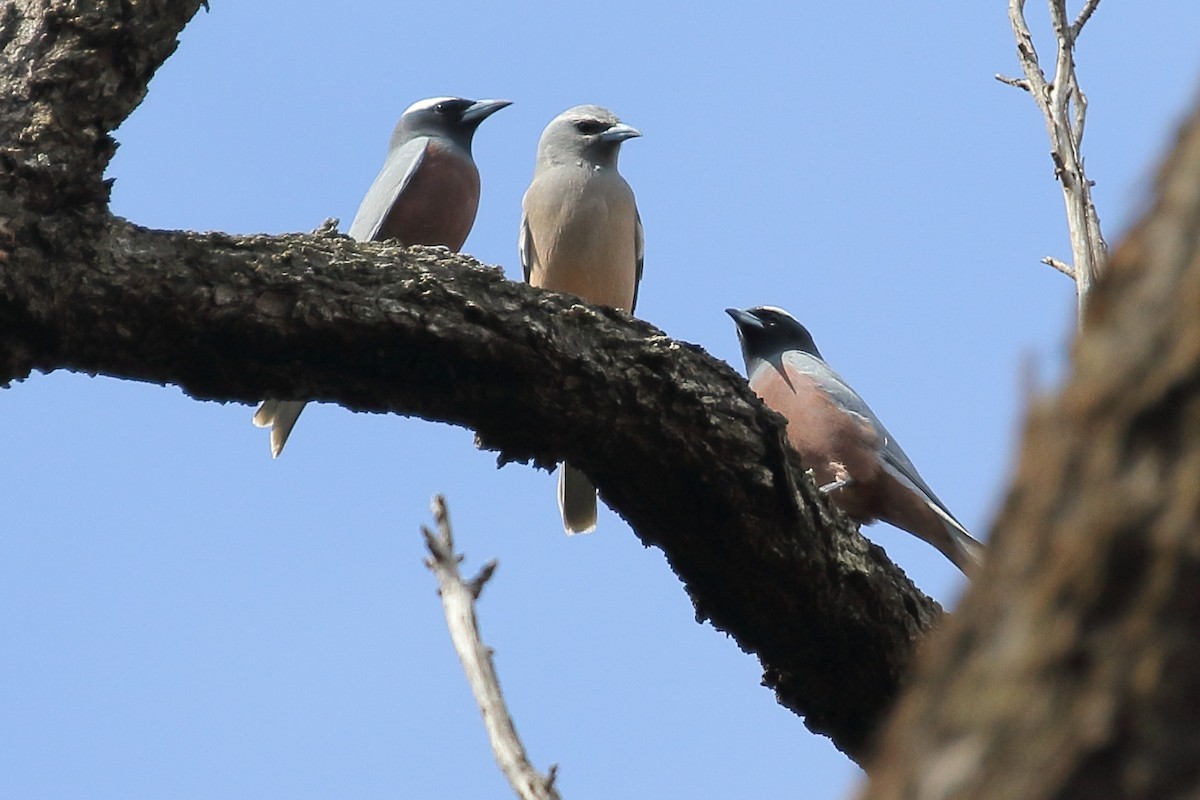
442	108
590	127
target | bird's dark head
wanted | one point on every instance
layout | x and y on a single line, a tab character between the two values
584	134
453	117
766	332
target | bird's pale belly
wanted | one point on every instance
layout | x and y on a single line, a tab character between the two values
595	261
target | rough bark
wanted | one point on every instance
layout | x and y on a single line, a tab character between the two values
673	438
1072	669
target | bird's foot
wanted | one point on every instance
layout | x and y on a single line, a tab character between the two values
841	479
835	485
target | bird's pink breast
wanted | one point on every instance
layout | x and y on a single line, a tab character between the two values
438	205
831	442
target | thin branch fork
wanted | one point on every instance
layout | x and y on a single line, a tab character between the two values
1064	107
458	603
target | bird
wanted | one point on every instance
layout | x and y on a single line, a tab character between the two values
427	193
581	233
853	458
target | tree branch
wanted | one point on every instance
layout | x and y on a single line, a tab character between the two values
458	603
674	439
1064	108
72	72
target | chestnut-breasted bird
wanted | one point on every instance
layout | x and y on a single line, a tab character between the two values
852	456
581	233
427	193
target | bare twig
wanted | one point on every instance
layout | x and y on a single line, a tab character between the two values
1064	107
458	602
1061	266
1083	17
1019	83
1080	112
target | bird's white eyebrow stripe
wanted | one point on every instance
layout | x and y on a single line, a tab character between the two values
426	104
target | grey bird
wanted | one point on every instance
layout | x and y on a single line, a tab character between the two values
854	460
427	193
581	233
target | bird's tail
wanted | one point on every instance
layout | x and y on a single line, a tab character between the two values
964	550
280	416
576	500
972	550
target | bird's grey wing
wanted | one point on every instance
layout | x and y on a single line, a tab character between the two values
402	163
897	462
525	244
640	252
831	383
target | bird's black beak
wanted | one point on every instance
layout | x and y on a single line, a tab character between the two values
744	319
480	110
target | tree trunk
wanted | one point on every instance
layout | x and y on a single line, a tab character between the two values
1072	669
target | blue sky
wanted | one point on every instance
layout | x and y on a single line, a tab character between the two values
183	617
